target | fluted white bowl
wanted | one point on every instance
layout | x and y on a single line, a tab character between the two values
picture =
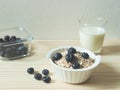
73	75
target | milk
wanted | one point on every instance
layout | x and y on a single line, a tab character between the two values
92	37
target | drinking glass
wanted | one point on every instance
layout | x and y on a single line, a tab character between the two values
92	33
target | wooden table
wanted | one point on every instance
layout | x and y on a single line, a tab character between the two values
106	76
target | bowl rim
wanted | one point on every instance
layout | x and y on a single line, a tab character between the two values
97	58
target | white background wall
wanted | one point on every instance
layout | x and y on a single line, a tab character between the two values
58	19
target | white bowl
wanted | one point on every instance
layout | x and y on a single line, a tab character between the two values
73	75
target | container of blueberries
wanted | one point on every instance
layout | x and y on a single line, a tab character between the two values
14	43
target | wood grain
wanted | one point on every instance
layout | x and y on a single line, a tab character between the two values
106	76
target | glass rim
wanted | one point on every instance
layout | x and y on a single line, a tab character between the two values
90	20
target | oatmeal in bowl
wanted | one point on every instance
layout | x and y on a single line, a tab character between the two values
73	64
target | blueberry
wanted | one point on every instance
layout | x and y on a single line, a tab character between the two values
85	55
6	51
46	79
72	50
18	39
19	45
57	56
1	40
6	42
12	51
30	70
38	76
24	50
45	72
20	49
76	65
3	54
7	38
13	38
70	57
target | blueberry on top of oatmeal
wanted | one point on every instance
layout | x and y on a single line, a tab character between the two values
72	50
76	65
57	56
70	57
85	55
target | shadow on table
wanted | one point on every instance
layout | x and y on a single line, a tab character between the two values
104	76
108	50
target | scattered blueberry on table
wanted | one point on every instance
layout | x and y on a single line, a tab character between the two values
30	70
38	76
46	79
45	71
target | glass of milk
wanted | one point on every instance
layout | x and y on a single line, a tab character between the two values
92	33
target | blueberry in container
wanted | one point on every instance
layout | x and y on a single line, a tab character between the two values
14	43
